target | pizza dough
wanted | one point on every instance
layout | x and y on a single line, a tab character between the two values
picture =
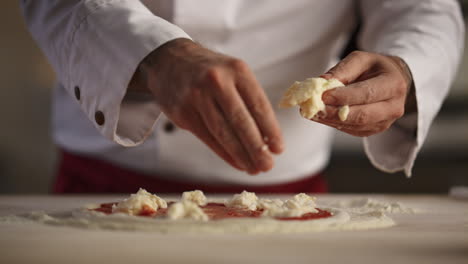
354	214
308	95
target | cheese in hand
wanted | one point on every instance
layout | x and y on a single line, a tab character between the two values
308	95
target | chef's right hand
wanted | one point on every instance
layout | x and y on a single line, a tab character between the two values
217	98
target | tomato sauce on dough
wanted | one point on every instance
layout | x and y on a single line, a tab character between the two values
217	211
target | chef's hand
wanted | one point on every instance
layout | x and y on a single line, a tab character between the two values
377	92
217	98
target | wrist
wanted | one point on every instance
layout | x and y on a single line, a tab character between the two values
410	101
139	81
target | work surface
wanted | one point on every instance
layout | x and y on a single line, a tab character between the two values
438	235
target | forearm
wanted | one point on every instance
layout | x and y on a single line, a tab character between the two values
428	37
95	48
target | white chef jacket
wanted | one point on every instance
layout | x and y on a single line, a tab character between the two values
95	46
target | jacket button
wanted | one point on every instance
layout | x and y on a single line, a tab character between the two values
99	117
169	127
77	93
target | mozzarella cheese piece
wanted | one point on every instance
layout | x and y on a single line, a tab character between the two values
196	197
189	206
308	95
136	202
266	204
343	112
245	200
300	204
186	210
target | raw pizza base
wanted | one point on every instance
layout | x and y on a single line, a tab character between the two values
356	218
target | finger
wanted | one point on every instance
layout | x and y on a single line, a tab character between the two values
259	107
380	126
351	67
364	133
365	114
224	135
357	133
200	130
379	88
244	126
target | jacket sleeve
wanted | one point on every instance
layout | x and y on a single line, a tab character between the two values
95	46
428	35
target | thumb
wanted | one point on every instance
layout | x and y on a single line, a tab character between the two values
350	68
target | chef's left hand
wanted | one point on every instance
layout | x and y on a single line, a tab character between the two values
376	90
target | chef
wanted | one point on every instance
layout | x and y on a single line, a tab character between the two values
179	95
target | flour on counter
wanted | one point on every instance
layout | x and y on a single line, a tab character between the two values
369	204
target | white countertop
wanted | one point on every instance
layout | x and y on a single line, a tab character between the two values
438	235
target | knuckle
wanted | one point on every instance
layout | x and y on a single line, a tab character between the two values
338	68
359	55
237	117
214	76
259	108
401	88
344	65
371	93
239	65
356	53
220	132
362	117
399	113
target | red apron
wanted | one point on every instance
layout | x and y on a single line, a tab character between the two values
79	174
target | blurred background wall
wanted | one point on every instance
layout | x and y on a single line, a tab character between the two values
28	156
